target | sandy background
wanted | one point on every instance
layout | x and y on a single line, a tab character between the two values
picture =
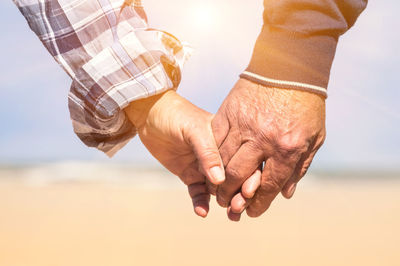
71	214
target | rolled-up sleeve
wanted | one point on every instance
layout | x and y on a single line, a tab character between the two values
112	57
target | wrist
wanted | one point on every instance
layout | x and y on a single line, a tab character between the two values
140	111
282	93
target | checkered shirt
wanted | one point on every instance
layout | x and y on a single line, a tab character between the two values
113	58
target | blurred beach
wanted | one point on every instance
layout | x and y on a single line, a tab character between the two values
103	214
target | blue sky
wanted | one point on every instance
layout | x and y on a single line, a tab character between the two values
363	117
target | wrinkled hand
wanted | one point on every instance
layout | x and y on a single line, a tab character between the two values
257	124
179	135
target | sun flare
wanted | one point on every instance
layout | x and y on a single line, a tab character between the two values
204	16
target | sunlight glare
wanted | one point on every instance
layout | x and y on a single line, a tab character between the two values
204	16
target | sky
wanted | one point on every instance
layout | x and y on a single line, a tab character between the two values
363	113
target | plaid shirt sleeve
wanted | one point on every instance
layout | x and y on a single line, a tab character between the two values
113	58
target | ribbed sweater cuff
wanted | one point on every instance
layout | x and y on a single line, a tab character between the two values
292	60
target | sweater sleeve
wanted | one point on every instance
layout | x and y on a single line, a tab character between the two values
297	44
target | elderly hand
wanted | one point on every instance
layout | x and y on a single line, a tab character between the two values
179	136
257	124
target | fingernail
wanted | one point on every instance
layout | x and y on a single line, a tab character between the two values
201	212
217	174
292	190
242	204
243	208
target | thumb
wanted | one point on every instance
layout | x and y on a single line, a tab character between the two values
207	154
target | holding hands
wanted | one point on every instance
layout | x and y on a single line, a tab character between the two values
260	143
263	138
179	135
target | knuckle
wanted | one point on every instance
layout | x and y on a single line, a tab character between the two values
233	174
304	171
322	140
191	176
271	186
197	189
222	201
204	197
210	155
306	165
291	148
